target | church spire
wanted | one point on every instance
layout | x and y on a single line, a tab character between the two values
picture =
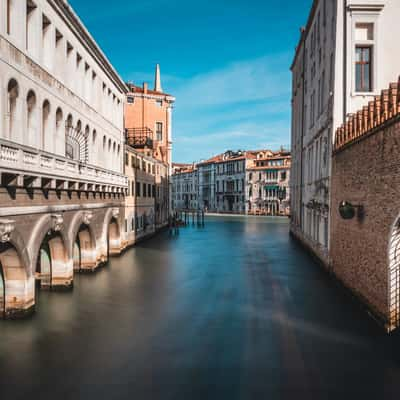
157	81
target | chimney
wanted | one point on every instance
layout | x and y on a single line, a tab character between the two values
145	87
157	80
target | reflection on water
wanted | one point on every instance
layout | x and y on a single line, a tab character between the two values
234	310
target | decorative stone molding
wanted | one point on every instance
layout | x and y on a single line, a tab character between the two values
87	217
57	221
7	226
115	212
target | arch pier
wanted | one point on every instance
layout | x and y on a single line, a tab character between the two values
45	250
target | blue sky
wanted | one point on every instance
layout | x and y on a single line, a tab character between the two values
227	63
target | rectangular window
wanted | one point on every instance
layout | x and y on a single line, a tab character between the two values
138	189
144	190
159	131
363	69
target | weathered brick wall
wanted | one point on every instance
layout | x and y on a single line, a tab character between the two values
367	172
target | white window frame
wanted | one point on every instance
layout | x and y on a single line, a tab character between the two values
365	17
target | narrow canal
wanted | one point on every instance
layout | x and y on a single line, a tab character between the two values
234	310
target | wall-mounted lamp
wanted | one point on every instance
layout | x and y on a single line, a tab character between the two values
348	210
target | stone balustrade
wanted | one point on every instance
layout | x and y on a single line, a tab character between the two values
25	161
382	109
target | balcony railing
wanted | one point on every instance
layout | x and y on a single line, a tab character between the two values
26	161
139	138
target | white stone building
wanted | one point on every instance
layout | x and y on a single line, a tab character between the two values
230	182
267	182
207	185
185	188
61	151
345	56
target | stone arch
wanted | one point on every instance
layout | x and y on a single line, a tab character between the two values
83	242
394	276
16	290
31	105
45	124
59	136
112	232
94	137
49	244
12	97
59	118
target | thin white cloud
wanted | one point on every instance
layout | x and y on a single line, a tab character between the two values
250	80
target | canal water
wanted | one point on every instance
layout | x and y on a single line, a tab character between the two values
234	310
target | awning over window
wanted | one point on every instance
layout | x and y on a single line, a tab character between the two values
271	187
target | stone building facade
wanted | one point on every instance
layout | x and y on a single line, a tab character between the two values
146	203
345	55
148	120
185	187
365	249
61	152
267	184
230	175
148	129
207	185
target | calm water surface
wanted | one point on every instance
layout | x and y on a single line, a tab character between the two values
236	310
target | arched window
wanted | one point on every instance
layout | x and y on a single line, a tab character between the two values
76	141
109	144
59	118
45	123
31	106
94	137
104	142
59	142
13	92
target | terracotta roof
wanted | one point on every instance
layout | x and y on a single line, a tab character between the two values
269	167
274	158
231	159
181	165
184	171
139	89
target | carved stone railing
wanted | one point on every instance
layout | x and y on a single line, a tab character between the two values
21	160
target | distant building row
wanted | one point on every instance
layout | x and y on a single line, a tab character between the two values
241	182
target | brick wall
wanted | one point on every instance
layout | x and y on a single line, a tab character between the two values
366	171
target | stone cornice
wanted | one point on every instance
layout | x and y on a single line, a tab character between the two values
366	5
65	11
